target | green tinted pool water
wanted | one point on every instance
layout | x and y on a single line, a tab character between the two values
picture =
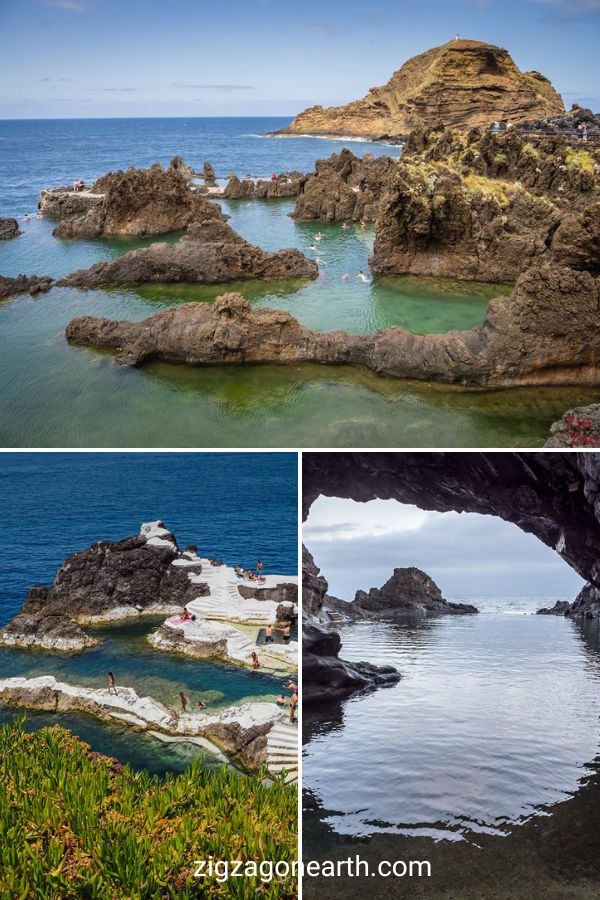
57	395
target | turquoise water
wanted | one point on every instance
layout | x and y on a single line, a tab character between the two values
150	672
57	395
54	504
494	721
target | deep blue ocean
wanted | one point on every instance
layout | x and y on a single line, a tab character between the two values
238	507
40	153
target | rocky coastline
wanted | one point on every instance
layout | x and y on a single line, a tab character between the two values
9	229
544	333
209	253
325	676
408	593
134	203
488	207
239	731
107	582
24	284
461	84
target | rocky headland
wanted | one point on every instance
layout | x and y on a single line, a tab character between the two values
9	228
239	731
409	592
325	676
106	582
545	332
210	252
134	203
24	284
461	84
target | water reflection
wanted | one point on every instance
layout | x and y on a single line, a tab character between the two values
494	721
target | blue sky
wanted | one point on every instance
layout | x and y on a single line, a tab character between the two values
358	545
72	58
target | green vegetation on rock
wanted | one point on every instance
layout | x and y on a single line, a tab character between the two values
78	824
580	159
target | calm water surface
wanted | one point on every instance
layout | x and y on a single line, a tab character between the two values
56	395
495	720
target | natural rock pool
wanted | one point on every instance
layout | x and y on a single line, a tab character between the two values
163	404
494	722
125	651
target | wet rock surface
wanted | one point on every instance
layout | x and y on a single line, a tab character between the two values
24	284
109	580
566	123
136	202
545	332
344	188
9	228
209	253
461	84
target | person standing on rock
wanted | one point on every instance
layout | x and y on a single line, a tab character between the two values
184	701
293	705
269	634
111	683
255	661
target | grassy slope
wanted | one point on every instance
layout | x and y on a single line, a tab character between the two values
77	824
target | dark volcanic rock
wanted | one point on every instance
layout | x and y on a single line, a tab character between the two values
23	284
137	202
546	332
107	581
578	427
437	222
555	496
585	606
9	228
286	592
49	632
409	591
560	608
286	185
62	202
565	123
587	603
209	253
179	166
324	675
210	178
344	187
